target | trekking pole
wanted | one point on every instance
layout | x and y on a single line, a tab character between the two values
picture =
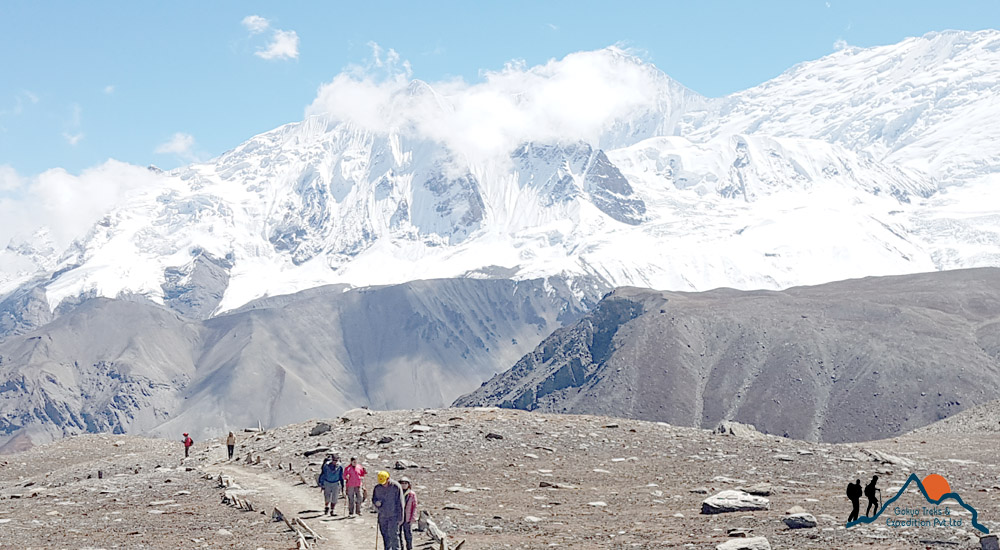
376	537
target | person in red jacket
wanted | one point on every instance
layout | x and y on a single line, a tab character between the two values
354	474
409	513
187	444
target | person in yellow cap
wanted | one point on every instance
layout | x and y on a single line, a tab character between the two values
388	500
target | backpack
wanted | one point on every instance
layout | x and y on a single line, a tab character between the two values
849	491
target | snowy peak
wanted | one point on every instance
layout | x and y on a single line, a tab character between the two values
748	167
921	103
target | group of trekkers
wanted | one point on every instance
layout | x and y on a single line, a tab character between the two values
854	494
395	502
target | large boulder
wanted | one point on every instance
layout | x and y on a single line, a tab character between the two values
733	501
320	429
754	543
802	520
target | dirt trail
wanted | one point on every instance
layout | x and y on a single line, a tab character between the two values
306	502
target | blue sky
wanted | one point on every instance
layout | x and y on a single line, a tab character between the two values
166	83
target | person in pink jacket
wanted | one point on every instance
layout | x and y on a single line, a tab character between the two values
409	513
354	473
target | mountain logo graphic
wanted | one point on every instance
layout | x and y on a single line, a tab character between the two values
934	488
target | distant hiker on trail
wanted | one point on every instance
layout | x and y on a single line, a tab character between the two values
331	482
187	444
354	474
854	493
231	444
409	513
387	497
870	493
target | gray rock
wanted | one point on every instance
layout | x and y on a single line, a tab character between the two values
385	440
404	464
989	542
801	520
733	501
759	489
316	451
493	436
320	429
755	543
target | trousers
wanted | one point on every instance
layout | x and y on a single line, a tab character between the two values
354	500
390	533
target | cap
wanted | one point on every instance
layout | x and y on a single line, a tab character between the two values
383	476
404	479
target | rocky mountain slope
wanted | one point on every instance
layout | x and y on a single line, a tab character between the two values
848	361
117	366
495	479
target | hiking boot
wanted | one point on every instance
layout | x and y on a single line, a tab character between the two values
326	510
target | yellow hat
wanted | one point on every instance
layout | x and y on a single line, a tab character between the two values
383	476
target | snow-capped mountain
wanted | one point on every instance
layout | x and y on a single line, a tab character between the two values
834	158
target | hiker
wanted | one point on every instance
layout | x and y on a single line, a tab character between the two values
231	444
331	482
187	444
409	513
354	474
387	497
870	493
854	493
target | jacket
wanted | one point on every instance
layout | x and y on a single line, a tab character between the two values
388	499
410	507
331	473
353	475
188	442
231	440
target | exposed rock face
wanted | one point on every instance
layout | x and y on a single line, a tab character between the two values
848	361
733	501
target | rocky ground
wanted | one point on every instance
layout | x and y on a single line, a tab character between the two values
495	479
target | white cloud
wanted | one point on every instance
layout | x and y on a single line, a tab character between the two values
65	203
109	89
255	24
9	179
73	138
283	45
72	133
840	44
179	144
575	98
552	26
22	97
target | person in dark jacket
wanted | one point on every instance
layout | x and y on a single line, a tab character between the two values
387	497
854	493
870	493
331	482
